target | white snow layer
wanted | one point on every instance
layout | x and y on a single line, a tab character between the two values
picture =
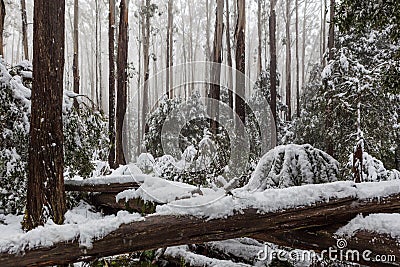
210	206
383	223
80	223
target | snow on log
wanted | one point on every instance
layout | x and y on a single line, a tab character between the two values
169	230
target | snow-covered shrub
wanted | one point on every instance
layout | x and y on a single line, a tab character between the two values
165	166
145	162
373	169
84	129
293	165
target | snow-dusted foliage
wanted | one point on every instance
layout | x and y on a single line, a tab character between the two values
84	129
373	169
145	162
293	165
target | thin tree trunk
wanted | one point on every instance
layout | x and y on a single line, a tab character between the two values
111	82
97	52
146	44
216	67
75	64
46	195
100	66
240	104
24	29
259	30
139	128
303	54
272	41
288	64
229	55
122	79
169	49
297	62
328	111
324	34
331	39
2	18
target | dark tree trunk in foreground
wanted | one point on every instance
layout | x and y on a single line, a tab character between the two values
24	29
111	82
46	195
240	55
122	79
216	67
272	41
2	17
75	63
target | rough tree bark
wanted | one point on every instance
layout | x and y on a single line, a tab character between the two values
259	31
331	38
328	112
122	81
146	59
229	56
2	18
24	29
288	64
216	67
111	82
75	64
297	62
272	70
240	104
170	45
46	195
179	230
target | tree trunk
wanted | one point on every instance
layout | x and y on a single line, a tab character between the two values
24	30
272	41
331	39
2	18
169	49
46	195
111	83
240	104
259	31
229	56
146	46
297	62
216	67
288	64
328	111
96	65
323	28
75	64
303	53
122	78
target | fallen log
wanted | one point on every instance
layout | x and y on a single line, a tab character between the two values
108	185
168	230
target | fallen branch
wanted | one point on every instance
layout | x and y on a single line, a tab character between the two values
162	231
